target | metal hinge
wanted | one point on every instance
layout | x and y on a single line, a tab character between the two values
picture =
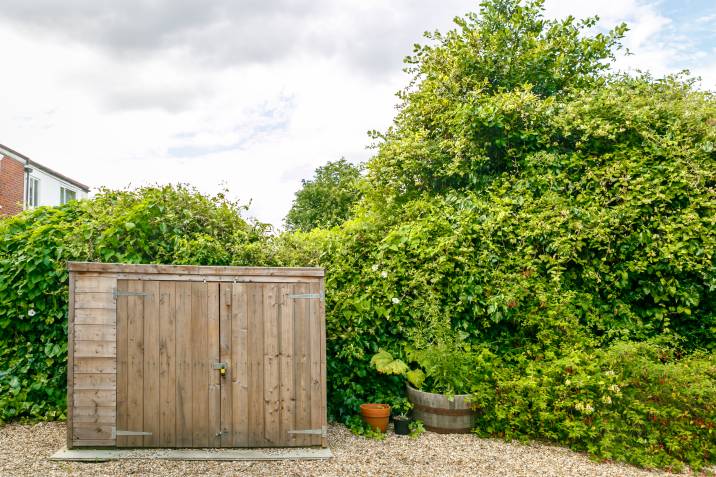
116	293
116	433
321	295
323	431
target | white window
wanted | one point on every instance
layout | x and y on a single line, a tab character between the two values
33	192
67	195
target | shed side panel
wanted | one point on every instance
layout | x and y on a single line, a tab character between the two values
93	386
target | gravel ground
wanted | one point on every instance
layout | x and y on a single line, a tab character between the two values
24	450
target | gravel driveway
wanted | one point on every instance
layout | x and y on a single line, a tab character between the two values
24	450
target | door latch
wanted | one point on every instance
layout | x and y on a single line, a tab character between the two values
221	367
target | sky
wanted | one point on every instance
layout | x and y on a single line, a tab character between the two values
251	95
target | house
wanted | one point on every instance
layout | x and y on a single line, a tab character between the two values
25	184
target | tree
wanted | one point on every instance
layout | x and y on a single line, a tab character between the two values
327	199
529	202
479	95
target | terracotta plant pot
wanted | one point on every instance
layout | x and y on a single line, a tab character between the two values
375	415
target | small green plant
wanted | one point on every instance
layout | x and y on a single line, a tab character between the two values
416	427
384	363
359	428
402	407
449	367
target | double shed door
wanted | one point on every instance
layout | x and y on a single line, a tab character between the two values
174	338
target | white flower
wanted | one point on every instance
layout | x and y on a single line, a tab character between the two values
614	388
568	382
384	274
585	408
375	267
610	373
395	300
606	400
31	312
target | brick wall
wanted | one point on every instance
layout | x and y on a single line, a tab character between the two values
12	186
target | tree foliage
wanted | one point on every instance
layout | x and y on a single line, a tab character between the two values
531	204
327	199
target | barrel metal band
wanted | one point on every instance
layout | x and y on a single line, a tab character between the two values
442	411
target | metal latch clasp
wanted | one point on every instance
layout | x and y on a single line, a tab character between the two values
221	367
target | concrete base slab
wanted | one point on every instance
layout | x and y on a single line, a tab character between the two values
102	455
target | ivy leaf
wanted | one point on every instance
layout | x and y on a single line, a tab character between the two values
416	377
386	364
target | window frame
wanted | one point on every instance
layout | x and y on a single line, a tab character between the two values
33	192
64	192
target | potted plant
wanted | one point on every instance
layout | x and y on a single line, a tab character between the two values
439	387
375	415
401	421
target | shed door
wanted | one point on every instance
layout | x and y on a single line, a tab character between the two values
171	337
168	395
272	337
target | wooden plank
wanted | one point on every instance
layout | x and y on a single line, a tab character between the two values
271	365
302	365
240	363
93	443
256	365
193	269
106	420
287	389
324	372
121	364
95	415
200	371
95	411
135	363
167	364
315	358
94	397
183	365
70	358
151	364
95	349
95	332
214	375
177	277
102	284
93	431
95	316
94	300
95	365
225	356
95	381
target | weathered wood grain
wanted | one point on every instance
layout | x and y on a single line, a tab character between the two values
122	363
151	364
135	363
167	365
184	432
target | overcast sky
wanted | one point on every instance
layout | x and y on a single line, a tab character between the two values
250	95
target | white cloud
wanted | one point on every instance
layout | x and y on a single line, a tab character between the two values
252	97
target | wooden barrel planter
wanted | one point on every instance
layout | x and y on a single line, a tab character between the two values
442	414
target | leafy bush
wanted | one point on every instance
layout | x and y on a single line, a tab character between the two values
544	210
327	199
634	402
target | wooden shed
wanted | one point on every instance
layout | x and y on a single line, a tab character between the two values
195	356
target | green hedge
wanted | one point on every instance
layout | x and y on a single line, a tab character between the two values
150	225
632	402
